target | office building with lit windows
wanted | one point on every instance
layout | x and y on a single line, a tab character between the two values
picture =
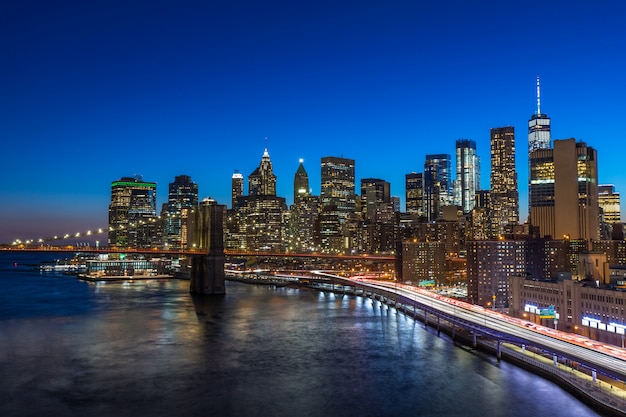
300	182
503	198
414	197
236	187
182	199
610	216
132	214
490	264
338	199
538	127
467	174
563	194
437	185
423	261
303	214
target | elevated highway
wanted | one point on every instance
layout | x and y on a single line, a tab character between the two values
597	357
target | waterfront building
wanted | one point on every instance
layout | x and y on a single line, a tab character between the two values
236	188
467	174
583	307
300	182
423	261
504	198
490	264
563	191
132	213
182	199
414	197
437	185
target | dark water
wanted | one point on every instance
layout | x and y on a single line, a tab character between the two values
70	348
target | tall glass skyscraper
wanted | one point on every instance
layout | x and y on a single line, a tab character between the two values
538	138
467	174
538	127
437	185
182	199
504	197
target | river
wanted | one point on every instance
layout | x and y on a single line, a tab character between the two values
148	348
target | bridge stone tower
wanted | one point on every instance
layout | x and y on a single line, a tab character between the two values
207	270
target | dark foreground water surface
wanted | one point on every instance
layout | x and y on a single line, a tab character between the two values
71	348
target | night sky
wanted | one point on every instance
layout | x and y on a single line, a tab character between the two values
92	91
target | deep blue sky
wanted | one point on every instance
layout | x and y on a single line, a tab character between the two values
95	90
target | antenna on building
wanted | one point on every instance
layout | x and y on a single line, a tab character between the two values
538	98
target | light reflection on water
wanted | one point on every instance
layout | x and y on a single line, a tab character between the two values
71	348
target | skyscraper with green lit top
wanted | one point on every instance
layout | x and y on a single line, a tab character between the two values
132	213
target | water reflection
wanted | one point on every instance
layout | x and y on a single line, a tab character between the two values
150	348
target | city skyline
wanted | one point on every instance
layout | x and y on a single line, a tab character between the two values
97	92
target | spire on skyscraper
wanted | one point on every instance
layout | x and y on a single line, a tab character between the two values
538	97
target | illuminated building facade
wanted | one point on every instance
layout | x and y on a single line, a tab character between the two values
258	221
338	184
303	214
504	198
338	198
423	260
182	199
414	197
467	174
300	182
610	208
437	185
490	264
589	310
563	191
132	213
236	187
262	181
538	127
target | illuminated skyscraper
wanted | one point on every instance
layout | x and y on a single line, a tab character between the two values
373	193
564	191
182	199
504	198
338	187
262	181
538	138
236	188
132	213
300	182
609	201
338	198
538	127
437	185
414	199
467	174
